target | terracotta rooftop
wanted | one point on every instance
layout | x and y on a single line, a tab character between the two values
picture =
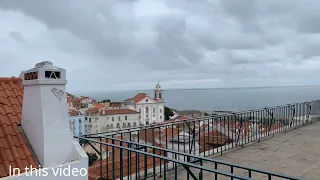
211	140
14	148
99	106
115	142
94	170
73	112
92	111
110	111
139	97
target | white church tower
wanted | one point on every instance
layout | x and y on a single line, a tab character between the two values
45	114
158	93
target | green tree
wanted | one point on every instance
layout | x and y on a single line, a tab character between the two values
92	158
167	113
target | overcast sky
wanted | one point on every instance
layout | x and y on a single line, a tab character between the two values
131	44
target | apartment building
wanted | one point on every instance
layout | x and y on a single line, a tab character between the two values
76	122
103	120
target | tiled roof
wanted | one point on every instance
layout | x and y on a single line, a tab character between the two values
127	163
115	142
139	97
211	140
149	135
99	106
158	137
120	111
110	111
14	148
92	111
73	112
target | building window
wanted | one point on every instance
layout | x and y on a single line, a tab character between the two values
96	118
146	100
96	131
154	110
147	109
85	125
160	110
160	95
86	118
125	118
139	110
147	115
80	121
134	124
124	124
119	118
89	119
107	118
118	124
154	115
129	124
160	117
112	118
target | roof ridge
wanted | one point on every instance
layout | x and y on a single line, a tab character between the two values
7	79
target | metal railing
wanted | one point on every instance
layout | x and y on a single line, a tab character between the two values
184	144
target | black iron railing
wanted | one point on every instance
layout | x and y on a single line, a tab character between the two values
151	151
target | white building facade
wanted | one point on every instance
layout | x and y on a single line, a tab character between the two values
151	109
110	119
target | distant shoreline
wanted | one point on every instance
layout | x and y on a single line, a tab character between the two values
203	89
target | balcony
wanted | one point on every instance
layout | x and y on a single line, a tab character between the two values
272	143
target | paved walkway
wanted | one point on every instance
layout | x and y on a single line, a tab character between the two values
294	153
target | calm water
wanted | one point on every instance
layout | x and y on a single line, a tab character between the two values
221	99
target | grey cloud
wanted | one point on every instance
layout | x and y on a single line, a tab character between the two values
123	42
17	36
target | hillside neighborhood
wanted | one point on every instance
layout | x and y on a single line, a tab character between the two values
36	100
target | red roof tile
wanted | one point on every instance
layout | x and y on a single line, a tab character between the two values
119	111
139	97
110	111
92	111
14	149
73	112
99	106
115	142
211	140
94	170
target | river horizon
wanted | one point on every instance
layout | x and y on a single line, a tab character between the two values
208	99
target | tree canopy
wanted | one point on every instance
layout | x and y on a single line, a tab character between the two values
167	113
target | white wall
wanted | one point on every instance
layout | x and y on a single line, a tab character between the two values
100	125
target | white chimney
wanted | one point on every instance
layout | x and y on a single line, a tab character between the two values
45	113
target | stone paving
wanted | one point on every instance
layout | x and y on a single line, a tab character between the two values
295	153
